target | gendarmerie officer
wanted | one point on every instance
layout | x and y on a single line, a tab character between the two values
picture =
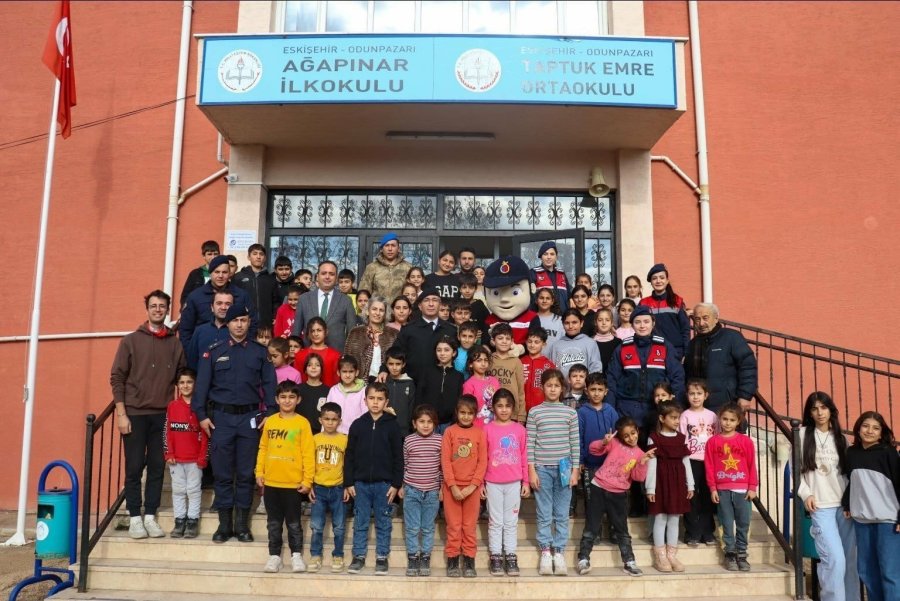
234	377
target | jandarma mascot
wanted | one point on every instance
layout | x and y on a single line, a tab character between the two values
507	293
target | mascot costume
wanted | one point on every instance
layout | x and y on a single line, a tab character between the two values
507	294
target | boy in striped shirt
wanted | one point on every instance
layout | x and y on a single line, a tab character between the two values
421	492
553	468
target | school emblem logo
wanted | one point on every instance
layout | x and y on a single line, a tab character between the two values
240	71
478	70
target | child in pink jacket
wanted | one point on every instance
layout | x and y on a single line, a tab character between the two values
625	462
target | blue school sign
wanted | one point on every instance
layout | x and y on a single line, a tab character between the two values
291	69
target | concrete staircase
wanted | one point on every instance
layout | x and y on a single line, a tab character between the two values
177	568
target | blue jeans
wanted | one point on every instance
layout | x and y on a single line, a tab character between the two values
836	546
371	497
552	499
879	560
734	515
328	498
420	510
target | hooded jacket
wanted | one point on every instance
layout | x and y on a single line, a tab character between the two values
145	369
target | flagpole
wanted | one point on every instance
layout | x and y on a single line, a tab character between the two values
18	538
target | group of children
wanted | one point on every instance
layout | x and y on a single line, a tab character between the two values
372	444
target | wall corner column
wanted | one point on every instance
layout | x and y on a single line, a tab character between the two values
635	214
247	198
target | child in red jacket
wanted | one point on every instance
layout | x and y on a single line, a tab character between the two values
185	450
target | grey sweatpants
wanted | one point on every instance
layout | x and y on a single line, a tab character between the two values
186	489
503	513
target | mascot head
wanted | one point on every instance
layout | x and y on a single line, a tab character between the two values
507	287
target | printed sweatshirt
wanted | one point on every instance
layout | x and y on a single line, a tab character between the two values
532	370
621	467
731	463
508	370
483	390
286	457
463	456
507	453
185	441
698	427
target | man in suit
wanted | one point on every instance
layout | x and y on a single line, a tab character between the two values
329	303
418	338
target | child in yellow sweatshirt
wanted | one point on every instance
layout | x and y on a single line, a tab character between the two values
285	466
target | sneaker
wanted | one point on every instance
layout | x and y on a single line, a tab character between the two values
412	564
337	564
297	563
742	564
381	566
315	564
692	542
357	565
584	567
512	564
631	569
559	564
545	567
709	540
495	564
152	527
730	562
273	565
136	528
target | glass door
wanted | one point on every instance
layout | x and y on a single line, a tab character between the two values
569	248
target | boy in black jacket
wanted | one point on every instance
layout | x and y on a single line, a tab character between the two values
373	468
401	389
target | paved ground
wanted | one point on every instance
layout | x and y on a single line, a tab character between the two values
17	563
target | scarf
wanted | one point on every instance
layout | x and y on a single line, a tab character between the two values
604	337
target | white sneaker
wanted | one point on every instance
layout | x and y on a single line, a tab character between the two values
153	529
584	567
559	564
297	563
136	528
274	564
545	568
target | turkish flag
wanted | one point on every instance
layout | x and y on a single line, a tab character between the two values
58	58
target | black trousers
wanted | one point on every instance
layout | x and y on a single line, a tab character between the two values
613	505
699	524
144	448
283	508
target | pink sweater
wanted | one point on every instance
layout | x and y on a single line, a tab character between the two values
731	463
622	466
507	455
287	372
698	427
483	390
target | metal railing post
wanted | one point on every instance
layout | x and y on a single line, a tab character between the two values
797	538
87	485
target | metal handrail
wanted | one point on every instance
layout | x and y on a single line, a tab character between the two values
830	347
95	427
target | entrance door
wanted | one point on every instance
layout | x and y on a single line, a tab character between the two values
569	248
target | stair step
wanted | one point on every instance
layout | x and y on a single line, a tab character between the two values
189	577
120	546
637	527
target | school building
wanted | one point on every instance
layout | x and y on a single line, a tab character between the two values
453	123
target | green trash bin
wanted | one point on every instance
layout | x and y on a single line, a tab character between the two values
807	543
54	524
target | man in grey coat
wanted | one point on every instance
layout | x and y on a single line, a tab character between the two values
329	303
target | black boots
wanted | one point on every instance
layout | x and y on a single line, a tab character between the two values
226	529
178	530
241	526
453	570
412	564
191	527
425	565
468	567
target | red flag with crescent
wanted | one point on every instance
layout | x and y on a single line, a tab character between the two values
58	58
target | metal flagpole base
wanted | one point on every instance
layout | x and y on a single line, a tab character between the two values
16	540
